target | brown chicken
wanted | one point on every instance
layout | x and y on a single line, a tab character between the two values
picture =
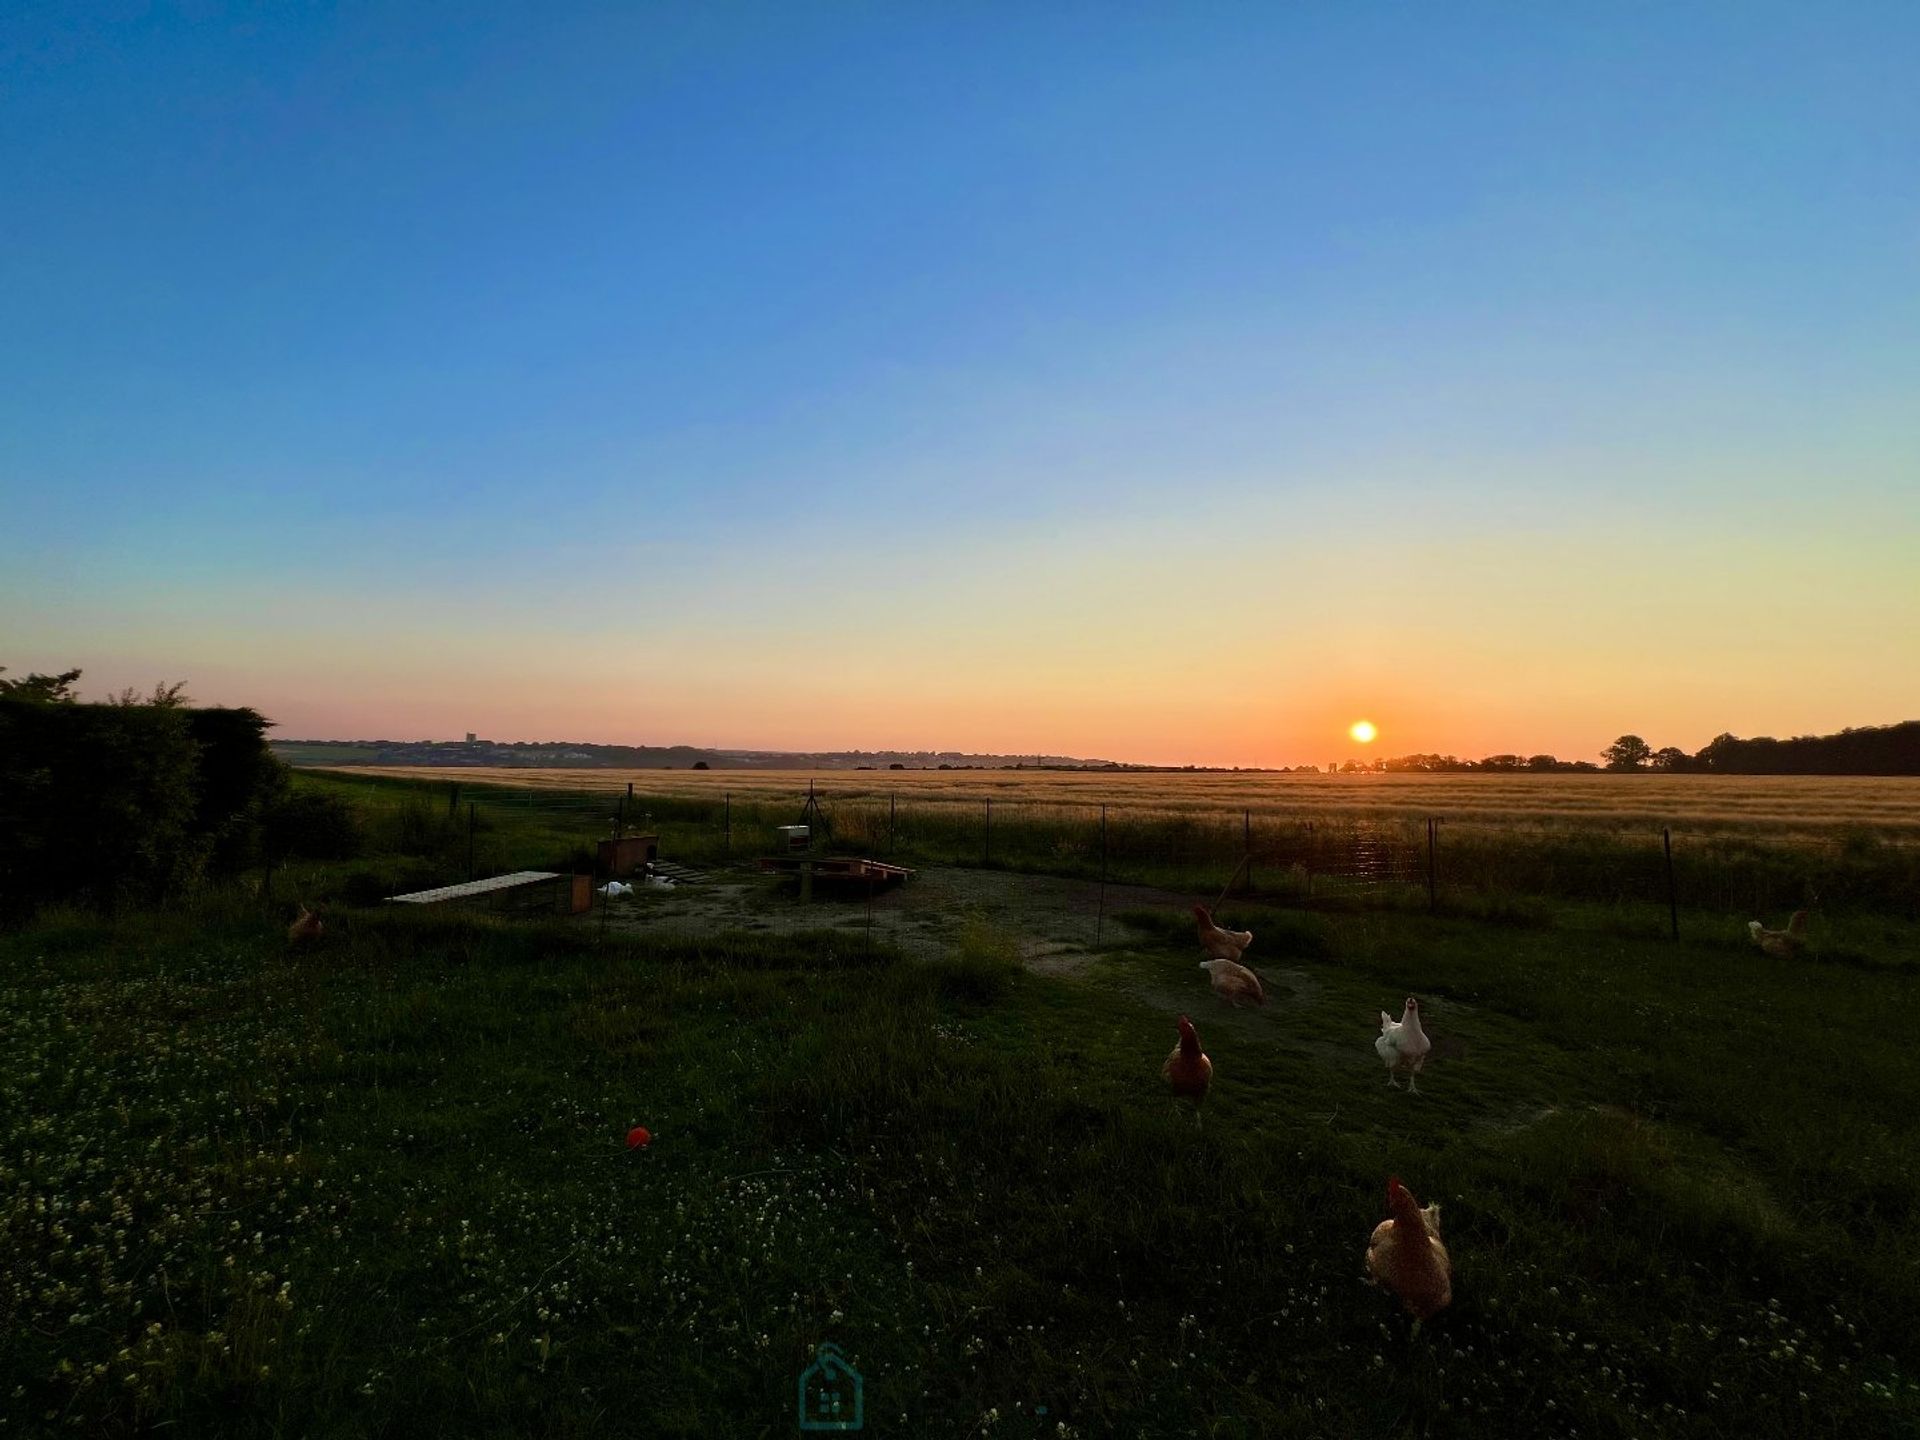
1220	944
306	927
1188	1071
1234	983
1406	1255
1780	944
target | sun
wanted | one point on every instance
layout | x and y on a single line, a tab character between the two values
1362	731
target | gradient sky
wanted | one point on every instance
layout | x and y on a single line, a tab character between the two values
1158	382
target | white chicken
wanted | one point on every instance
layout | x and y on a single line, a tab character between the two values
1780	944
1403	1045
613	889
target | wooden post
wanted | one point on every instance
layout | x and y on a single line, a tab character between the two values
1673	899
620	815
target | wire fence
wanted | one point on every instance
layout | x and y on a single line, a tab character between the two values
1285	858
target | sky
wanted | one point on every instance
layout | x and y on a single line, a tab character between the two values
1163	383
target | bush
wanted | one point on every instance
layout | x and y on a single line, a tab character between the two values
126	803
98	803
312	826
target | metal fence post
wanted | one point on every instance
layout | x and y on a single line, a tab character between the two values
1432	848
1673	899
1100	918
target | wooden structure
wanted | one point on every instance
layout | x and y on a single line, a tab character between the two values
620	858
523	892
837	869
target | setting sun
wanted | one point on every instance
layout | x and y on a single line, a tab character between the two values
1363	731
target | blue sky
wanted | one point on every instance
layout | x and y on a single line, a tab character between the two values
358	351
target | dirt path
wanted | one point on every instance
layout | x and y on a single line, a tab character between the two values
1054	922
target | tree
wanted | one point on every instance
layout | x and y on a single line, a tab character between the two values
1672	758
164	697
1542	762
1629	752
47	689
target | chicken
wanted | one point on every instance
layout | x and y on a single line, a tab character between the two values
1234	983
1407	1257
1188	1071
1403	1045
1220	944
1780	944
306	927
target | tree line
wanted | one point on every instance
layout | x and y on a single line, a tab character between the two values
1866	750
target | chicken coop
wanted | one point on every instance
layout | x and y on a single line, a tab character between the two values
620	858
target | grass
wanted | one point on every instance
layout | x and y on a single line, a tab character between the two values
381	1187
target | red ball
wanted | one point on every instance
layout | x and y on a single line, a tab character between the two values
638	1136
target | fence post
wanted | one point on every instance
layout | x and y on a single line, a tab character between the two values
1673	899
989	852
1432	848
470	840
1100	918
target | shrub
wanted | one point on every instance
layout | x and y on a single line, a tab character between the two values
312	826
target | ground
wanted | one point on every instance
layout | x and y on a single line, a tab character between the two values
381	1185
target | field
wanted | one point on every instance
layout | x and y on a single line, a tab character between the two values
381	1186
1777	804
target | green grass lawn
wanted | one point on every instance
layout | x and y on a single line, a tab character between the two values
381	1187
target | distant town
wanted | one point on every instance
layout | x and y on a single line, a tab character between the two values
570	754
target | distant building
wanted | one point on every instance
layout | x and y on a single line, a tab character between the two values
471	737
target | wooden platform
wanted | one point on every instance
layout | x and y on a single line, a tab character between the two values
533	890
838	869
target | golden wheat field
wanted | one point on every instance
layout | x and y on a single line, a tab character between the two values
1775	804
